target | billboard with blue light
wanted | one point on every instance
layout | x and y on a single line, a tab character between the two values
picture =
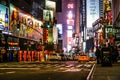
4	18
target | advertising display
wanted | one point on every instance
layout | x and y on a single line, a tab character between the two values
4	18
29	27
50	5
14	20
50	35
60	30
13	48
24	25
70	18
92	11
55	35
47	15
109	32
69	39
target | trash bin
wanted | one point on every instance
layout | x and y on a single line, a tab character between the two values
106	57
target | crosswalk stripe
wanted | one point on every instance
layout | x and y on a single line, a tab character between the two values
11	72
50	67
79	65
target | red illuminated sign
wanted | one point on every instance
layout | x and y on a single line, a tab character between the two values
70	6
45	35
70	22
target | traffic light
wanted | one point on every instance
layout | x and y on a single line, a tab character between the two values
48	25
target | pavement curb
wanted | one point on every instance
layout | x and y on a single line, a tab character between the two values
91	73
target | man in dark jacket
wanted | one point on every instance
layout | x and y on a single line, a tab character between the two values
115	54
98	54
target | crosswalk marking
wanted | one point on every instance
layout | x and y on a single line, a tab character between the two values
50	67
11	72
79	65
69	65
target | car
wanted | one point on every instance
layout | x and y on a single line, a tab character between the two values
83	58
54	57
63	57
70	57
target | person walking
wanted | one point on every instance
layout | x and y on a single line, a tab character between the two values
98	54
115	55
91	55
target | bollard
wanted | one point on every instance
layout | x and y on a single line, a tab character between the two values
33	53
29	56
20	55
25	55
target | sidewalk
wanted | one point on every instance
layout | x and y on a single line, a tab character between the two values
107	73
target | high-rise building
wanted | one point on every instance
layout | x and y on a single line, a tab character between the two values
90	11
83	23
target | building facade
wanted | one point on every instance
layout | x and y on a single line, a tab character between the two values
116	20
70	23
21	29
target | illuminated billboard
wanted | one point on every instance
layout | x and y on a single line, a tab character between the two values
59	26
47	15
70	15
29	26
14	20
4	18
92	11
24	25
70	22
50	5
50	35
69	39
55	35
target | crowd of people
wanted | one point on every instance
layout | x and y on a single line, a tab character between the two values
100	51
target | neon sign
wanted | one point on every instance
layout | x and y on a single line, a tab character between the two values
70	6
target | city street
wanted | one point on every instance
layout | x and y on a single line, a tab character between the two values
45	71
59	39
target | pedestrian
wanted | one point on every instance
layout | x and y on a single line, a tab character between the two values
115	54
91	55
98	54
